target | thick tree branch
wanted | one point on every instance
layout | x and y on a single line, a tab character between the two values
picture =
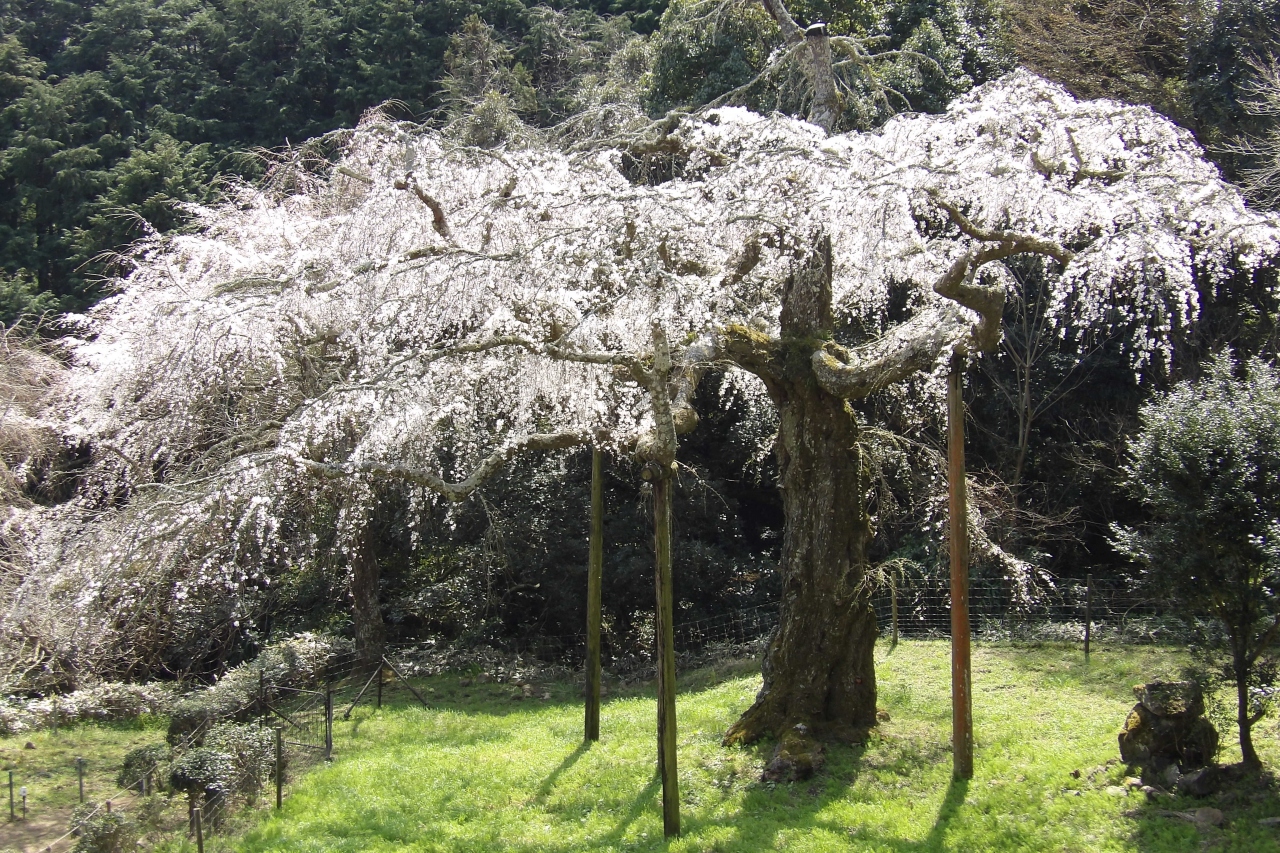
909	348
438	222
791	32
917	344
463	488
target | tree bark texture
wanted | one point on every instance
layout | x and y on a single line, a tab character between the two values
366	611
819	668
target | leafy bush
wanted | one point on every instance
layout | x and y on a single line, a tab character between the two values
252	751
107	701
101	831
142	763
236	760
297	661
1206	466
202	770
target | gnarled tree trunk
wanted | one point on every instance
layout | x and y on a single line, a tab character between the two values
819	669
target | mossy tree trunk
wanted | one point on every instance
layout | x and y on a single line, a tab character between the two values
819	669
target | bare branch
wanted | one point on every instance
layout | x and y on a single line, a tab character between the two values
438	222
791	32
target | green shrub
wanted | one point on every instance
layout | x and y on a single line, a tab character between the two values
142	763
295	662
202	770
100	831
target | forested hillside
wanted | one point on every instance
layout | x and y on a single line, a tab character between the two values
179	121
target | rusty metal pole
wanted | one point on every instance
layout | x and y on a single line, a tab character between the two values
961	665
595	571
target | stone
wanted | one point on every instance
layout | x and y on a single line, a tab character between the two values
1201	782
1117	791
28	745
464	682
1269	821
796	758
1131	782
1208	816
882	716
1167	727
1171	698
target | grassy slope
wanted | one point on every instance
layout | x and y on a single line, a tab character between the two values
482	772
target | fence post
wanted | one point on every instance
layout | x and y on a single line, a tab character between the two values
199	832
80	775
381	669
279	766
328	722
595	565
1088	613
12	814
961	666
24	802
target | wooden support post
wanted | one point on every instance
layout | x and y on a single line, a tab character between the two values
80	776
666	657
381	670
595	572
961	667
13	815
328	722
893	608
279	766
1088	613
199	832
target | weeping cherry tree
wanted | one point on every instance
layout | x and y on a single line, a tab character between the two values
424	311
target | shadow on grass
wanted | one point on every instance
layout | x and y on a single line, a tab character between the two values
1244	801
1108	673
569	760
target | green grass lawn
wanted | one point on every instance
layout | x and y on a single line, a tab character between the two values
481	772
48	771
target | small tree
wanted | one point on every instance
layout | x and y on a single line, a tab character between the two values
1207	466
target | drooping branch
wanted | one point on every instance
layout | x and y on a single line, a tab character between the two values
463	488
549	349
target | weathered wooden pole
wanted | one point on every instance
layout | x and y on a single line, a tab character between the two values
595	572
279	766
961	668
1088	613
893	608
666	656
